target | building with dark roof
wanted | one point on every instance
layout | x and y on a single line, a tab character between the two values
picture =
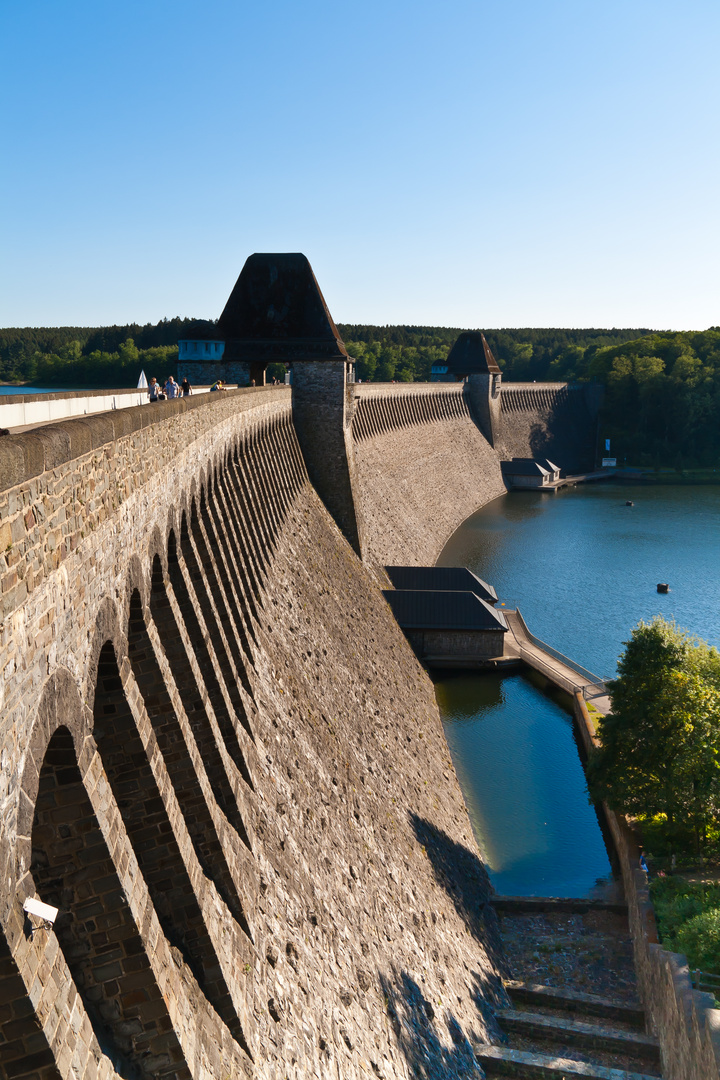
442	579
449	628
471	355
275	313
528	473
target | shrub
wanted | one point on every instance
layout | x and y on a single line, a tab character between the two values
699	939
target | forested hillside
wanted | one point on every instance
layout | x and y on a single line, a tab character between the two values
662	402
113	355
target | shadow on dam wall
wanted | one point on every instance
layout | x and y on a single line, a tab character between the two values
410	1008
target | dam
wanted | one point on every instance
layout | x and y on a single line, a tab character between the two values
221	761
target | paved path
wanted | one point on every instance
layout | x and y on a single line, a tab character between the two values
518	643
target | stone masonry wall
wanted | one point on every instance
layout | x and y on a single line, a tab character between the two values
549	420
423	466
222	762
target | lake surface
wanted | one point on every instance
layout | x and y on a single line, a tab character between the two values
583	569
30	390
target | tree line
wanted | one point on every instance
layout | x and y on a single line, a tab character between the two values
383	353
662	389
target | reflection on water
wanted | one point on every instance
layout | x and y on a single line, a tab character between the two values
583	567
518	765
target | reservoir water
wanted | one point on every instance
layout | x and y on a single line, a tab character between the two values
6	390
583	569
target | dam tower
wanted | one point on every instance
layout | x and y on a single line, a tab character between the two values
471	358
277	314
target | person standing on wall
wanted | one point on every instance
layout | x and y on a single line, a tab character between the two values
171	388
153	389
186	387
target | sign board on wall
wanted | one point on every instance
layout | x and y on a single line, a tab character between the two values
609	462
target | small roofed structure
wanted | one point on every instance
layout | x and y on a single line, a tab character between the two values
552	469
525	473
449	628
276	313
471	355
441	579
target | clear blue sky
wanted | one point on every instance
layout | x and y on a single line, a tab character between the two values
514	163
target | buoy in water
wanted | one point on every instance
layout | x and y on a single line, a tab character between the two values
629	503
663	587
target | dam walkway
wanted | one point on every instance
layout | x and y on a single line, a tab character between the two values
565	673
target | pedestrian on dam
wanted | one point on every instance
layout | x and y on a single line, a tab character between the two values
186	387
153	389
171	388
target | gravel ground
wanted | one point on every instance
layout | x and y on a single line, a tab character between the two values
591	952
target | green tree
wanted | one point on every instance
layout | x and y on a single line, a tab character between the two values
660	746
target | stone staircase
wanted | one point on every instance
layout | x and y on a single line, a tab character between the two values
557	1027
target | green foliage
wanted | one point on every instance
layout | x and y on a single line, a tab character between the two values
662	392
662	389
71	356
688	918
659	749
407	353
699	939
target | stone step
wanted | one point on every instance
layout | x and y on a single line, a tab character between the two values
575	1001
499	1061
577	1033
535	905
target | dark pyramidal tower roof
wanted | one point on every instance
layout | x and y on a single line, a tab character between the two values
471	355
277	312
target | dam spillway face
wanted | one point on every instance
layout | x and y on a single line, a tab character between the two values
221	761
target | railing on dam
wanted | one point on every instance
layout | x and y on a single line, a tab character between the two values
590	686
18	410
384	407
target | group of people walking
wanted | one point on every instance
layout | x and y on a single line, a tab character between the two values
169	389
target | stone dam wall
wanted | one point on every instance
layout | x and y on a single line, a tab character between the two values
423	466
553	420
221	760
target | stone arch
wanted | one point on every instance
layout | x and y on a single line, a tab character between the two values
157	549
25	1053
214	587
149	830
73	870
215	527
107	628
189	687
60	704
171	741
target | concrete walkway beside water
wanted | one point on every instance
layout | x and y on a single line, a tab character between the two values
519	643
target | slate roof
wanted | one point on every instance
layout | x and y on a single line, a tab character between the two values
471	355
424	609
522	467
441	578
276	312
